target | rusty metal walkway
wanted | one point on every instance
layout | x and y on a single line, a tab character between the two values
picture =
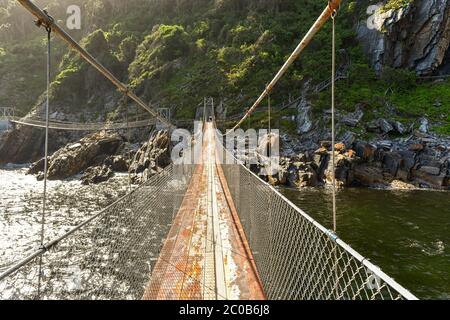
206	254
205	231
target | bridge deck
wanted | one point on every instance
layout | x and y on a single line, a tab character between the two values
206	255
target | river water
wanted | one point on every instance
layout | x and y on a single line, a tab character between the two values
406	233
69	203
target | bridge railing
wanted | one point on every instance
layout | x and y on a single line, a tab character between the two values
296	257
109	256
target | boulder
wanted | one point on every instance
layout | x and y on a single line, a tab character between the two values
301	175
95	175
353	119
365	151
343	168
385	126
414	36
430	180
398	127
348	139
321	151
373	126
368	176
391	162
433	171
416	147
38	166
407	163
89	151
117	163
151	157
424	125
340	147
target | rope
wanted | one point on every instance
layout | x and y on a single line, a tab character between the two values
333	105
129	140
269	114
269	145
44	199
333	138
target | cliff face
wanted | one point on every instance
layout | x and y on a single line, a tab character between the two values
77	94
416	36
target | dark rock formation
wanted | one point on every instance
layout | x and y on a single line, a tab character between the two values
118	163
77	157
151	158
26	144
353	119
421	161
95	175
304	107
416	36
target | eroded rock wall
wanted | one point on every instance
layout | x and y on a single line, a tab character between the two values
416	36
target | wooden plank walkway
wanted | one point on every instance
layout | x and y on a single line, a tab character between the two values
206	254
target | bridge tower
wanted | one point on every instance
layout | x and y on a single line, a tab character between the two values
208	109
6	115
166	113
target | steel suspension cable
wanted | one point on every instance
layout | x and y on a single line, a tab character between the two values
333	106
46	20
333	142
269	115
129	140
44	198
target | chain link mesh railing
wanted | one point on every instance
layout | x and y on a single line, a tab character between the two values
111	255
296	257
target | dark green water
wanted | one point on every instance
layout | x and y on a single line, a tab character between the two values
406	233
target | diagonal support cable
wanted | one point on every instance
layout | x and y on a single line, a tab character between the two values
332	6
47	21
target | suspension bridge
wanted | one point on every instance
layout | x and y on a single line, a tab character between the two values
209	230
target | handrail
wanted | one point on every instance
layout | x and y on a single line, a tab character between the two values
80	126
373	268
55	242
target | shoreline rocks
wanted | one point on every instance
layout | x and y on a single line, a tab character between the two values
98	156
421	161
152	157
75	158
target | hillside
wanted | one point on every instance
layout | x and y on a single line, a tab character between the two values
174	53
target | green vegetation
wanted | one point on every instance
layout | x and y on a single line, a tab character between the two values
395	4
174	53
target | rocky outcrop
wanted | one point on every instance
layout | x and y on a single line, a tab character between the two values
420	161
95	175
354	118
98	156
416	36
151	157
26	144
304	107
77	157
103	172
